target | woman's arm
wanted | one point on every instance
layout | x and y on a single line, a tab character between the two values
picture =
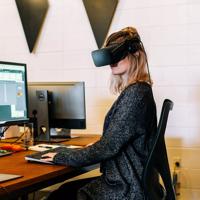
124	124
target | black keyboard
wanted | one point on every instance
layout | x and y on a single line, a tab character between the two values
37	157
39	154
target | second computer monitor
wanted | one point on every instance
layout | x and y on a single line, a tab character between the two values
13	93
57	106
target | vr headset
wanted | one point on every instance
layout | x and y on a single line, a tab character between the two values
115	52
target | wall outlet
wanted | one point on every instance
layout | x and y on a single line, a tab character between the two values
176	175
177	161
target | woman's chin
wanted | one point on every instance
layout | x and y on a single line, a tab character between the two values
114	72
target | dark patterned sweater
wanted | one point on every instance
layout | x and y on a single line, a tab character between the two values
122	150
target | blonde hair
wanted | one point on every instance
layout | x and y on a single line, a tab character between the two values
137	71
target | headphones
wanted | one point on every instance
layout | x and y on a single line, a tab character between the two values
116	52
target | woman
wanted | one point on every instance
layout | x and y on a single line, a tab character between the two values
128	130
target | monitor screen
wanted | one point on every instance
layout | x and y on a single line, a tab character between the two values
13	90
65	104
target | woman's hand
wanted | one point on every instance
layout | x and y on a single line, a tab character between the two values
48	157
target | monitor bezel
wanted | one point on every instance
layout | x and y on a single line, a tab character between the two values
25	119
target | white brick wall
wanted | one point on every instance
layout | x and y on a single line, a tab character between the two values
170	31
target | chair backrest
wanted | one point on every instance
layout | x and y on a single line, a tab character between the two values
157	162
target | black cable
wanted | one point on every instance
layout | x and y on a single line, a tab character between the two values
18	138
6	128
146	61
175	178
3	131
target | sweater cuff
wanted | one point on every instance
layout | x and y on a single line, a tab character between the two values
60	158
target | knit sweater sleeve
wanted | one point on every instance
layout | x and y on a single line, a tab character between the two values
125	122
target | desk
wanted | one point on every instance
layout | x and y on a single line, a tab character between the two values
37	176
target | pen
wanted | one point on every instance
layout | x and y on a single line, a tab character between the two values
47	147
43	157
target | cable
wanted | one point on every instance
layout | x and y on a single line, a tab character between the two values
18	138
26	130
175	178
3	131
146	61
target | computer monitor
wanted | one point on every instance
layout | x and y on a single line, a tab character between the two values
13	94
56	108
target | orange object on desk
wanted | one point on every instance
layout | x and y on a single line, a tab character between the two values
12	147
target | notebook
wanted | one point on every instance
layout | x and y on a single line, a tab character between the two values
44	147
6	177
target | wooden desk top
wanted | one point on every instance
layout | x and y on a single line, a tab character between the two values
35	175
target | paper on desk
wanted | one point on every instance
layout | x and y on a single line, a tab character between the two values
44	147
6	177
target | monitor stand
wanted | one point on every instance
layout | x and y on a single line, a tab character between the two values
41	116
60	134
51	140
57	140
42	130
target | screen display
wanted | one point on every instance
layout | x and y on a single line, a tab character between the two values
13	90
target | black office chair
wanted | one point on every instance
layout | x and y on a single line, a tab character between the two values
157	162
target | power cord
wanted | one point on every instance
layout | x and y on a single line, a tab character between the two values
18	139
176	178
3	130
25	137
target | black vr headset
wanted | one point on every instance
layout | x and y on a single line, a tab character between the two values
115	52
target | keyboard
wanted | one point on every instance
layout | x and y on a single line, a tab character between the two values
37	157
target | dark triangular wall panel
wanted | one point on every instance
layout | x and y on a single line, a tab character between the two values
32	14
100	14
